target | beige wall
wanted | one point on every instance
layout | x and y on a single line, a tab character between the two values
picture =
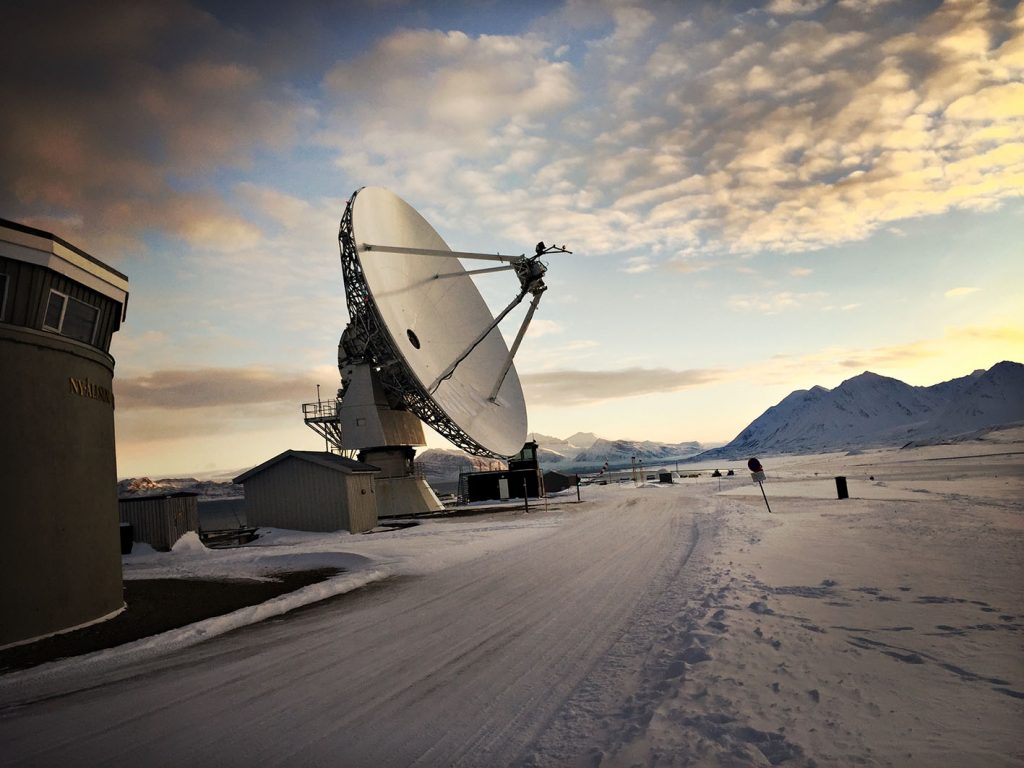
60	557
362	503
303	496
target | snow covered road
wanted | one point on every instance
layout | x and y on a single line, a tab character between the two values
466	664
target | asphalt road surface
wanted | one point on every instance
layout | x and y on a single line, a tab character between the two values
465	666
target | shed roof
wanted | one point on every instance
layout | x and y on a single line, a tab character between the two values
556	473
321	458
154	496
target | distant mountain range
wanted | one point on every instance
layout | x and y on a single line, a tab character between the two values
623	451
581	451
863	412
871	410
144	486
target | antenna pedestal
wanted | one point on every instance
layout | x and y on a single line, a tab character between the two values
386	437
400	491
366	417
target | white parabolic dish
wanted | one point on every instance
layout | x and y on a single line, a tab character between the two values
431	321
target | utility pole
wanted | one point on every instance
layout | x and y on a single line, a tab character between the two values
319	413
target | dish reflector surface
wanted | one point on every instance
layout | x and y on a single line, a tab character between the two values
426	322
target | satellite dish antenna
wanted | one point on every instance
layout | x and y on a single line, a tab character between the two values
421	346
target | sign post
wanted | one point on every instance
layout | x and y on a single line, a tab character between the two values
757	474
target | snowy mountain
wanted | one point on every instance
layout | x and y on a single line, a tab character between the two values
144	486
447	464
583	449
872	410
622	451
555	445
567	447
991	398
582	439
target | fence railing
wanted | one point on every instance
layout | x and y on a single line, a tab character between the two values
321	410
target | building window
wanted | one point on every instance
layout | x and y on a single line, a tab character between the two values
70	317
54	311
3	295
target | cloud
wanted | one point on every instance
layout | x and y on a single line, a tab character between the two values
925	360
774	303
680	135
636	265
930	359
541	327
552	356
182	389
797	7
963	290
466	85
125	111
422	102
231	427
617	128
997	102
687	265
800	272
998	333
571	387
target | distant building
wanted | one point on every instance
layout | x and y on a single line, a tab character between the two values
559	481
522	479
60	554
311	491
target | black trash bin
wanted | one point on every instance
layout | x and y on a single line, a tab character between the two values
127	535
841	488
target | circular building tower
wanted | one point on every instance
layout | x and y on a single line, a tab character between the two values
60	557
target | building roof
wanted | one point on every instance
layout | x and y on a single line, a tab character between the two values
155	496
321	458
45	249
19	227
556	473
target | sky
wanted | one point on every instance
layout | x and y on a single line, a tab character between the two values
759	197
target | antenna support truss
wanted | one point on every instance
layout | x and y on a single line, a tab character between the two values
530	271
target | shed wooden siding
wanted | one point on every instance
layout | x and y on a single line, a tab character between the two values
160	521
304	496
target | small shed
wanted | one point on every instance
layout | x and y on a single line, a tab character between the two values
500	485
559	481
311	491
160	520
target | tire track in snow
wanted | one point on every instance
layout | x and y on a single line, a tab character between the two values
460	667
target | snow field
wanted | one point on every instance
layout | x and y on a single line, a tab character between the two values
650	626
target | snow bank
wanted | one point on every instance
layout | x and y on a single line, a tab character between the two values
189	542
183	637
425	548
